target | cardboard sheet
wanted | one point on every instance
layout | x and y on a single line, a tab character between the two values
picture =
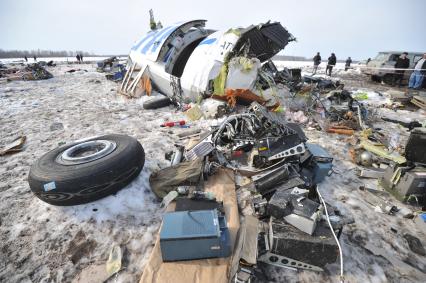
205	270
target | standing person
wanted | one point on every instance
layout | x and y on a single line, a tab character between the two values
401	63
330	64
78	58
317	61
416	78
35	58
348	63
368	61
26	59
81	57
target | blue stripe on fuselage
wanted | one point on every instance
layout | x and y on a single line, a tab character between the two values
155	46
208	41
148	36
157	35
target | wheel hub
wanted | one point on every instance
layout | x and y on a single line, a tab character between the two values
86	152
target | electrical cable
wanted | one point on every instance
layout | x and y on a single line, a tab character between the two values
342	277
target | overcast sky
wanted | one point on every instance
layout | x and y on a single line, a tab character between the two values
357	28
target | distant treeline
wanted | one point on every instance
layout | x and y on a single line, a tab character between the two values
40	53
289	58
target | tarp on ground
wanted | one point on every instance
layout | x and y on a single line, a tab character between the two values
205	270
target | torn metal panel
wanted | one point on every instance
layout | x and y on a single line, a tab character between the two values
380	150
370	173
249	249
263	41
154	44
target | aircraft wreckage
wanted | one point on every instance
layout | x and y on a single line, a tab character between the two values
270	211
188	62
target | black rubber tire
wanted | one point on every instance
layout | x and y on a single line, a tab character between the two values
83	183
157	102
375	78
388	79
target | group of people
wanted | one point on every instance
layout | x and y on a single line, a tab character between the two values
79	58
416	77
401	64
26	58
331	62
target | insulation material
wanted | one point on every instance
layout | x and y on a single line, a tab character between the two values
242	73
270	95
144	84
242	96
220	80
210	107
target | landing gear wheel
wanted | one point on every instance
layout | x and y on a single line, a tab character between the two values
85	171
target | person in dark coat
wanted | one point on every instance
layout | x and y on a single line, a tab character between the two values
330	64
401	63
317	61
78	58
35	58
26	59
348	63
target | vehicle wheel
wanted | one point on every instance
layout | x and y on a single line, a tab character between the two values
388	79
157	102
87	170
375	78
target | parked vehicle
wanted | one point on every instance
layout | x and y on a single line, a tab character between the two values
381	68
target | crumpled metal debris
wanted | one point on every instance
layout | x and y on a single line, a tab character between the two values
14	146
30	72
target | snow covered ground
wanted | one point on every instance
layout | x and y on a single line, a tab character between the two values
55	59
44	243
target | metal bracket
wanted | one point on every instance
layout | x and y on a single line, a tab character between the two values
200	150
286	262
298	149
